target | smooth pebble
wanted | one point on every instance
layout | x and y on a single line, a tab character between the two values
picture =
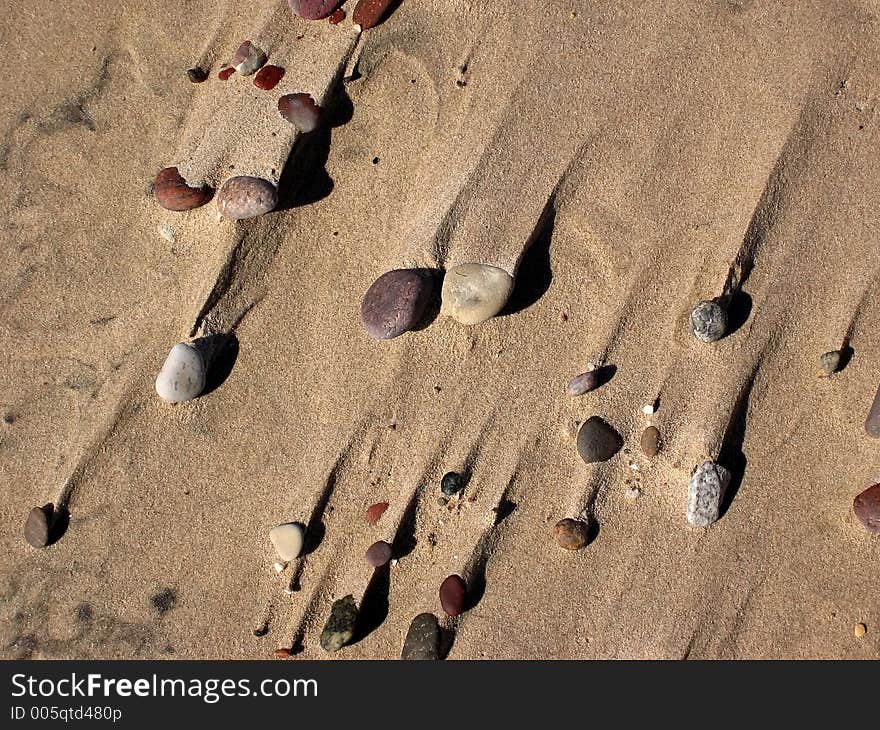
872	422
422	639
866	507
571	534
301	111
369	13
172	192
375	512
583	383
860	630
183	374
709	321
314	9
453	592
288	540
395	303
474	293
830	362
451	483
244	197
379	554
36	527
196	74
706	490
340	626
248	58
650	441
267	78
597	440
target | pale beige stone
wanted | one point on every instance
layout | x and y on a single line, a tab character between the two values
473	293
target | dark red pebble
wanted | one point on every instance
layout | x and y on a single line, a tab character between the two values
375	512
867	508
267	78
313	9
301	111
282	653
379	554
369	13
337	17
172	192
453	591
225	73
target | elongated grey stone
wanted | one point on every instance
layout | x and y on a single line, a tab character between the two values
423	638
706	490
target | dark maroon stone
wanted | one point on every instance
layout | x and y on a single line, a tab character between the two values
369	13
301	111
36	527
314	9
395	303
267	78
872	423
453	592
379	554
867	508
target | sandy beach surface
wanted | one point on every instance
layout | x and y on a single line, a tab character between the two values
624	160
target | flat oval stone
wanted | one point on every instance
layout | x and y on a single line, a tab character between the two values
473	293
395	303
288	540
172	192
597	441
36	527
872	422
709	321
182	377
267	78
571	534
423	639
705	492
375	512
867	508
453	592
369	13
248	58
341	623
650	441
301	111
583	383
314	9
451	484
244	196
379	554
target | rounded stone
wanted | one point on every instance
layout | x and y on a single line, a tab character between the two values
867	508
301	111
267	78
288	540
375	512
379	554
314	9
395	303
583	383
244	197
341	623
709	321
422	639
571	534
369	13
196	74
172	192
36	527
597	441
650	441
872	422
473	293
860	630
453	592
248	58
706	489
282	653
451	483
183	374
830	362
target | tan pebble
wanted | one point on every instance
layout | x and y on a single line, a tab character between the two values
571	534
650	441
860	630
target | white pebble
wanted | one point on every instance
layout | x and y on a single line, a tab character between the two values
182	377
633	493
166	231
393	562
633	466
648	410
288	540
591	366
279	567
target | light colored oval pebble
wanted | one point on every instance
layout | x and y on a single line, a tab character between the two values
182	377
583	383
288	540
244	197
473	293
709	321
706	490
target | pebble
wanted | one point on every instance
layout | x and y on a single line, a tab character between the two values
867	508
709	321
288	540
167	232
337	17
369	13
301	111
650	441
375	512
451	484
248	58
267	78
246	197
395	303
633	493
872	422
830	362
183	374
422	639
225	73
172	192
453	592
705	493
860	630
36	527
341	622
473	293
196	74
379	554
583	383
597	441
282	653
648	409
571	534
314	9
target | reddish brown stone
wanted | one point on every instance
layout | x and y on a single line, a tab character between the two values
369	13
379	554
375	512
172	192
395	303
282	653
650	441
453	592
301	111
225	73
36	527
337	17
314	9
867	508
571	534
267	78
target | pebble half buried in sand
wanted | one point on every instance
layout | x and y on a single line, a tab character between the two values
288	540
706	490
369	13
473	293
597	440
451	483
872	422
182	377
423	639
375	512
395	303
866	507
244	197
172	192
301	111
571	534
709	321
453	592
248	58
830	362
341	622
314	9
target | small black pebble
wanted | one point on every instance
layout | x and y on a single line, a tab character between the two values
8	418
164	600
196	74
375	160
451	483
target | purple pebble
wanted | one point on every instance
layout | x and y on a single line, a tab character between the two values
314	9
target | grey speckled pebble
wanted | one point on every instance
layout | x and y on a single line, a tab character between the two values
423	638
246	197
339	629
705	493
709	321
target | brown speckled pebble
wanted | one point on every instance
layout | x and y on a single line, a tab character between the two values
172	192
246	197
369	13
453	592
395	303
571	534
867	508
650	441
379	554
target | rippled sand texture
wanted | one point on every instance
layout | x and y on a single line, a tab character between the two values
652	154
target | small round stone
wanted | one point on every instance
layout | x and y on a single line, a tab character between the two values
36	527
340	626
830	362
196	74
571	534
860	630
369	13
246	197
451	484
423	639
375	512
395	303
288	540
267	78
379	554
314	9
172	192
301	111
183	374
282	653
867	508
248	58
336	17
474	293
453	592
650	441
597	441
709	321
583	383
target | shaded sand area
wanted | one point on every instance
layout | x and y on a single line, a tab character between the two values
643	155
